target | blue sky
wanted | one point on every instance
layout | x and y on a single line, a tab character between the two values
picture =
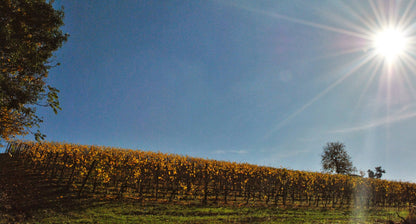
263	82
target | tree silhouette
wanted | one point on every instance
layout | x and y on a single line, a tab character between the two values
29	34
377	174
335	159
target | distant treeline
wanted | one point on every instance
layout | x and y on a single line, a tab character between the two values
104	171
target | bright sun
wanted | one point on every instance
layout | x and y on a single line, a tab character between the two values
390	43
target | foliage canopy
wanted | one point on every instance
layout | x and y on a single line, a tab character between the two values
378	173
336	159
29	34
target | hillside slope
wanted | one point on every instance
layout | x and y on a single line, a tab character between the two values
113	172
29	197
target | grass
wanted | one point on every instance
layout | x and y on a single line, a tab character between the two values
129	211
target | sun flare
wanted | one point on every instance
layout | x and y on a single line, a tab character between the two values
390	43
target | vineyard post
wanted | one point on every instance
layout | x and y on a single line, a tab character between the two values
206	182
277	189
86	178
156	175
247	190
54	165
139	186
38	164
28	158
217	183
61	175
16	150
9	145
48	159
284	194
127	173
33	164
225	186
70	179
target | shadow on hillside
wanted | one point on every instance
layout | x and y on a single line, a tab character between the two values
24	195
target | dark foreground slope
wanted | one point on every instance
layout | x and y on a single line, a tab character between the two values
27	197
22	193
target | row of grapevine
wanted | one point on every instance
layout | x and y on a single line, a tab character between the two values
150	175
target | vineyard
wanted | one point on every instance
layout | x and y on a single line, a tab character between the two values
114	172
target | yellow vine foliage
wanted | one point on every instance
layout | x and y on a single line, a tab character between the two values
106	171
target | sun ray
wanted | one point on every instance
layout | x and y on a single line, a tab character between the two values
303	22
392	15
388	58
336	18
375	66
380	20
344	52
358	64
338	54
377	123
405	19
368	23
409	64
